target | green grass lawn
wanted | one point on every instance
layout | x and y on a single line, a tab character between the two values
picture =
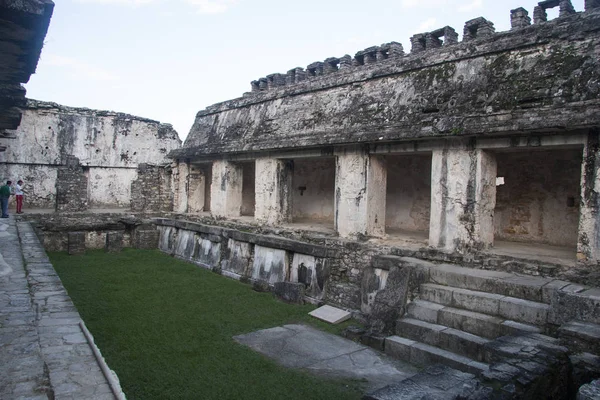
165	326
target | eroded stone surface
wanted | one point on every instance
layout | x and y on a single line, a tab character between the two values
299	346
590	391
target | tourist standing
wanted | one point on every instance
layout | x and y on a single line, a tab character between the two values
19	196
5	192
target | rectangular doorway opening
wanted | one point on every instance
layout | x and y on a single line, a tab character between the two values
537	201
408	196
248	188
313	188
199	181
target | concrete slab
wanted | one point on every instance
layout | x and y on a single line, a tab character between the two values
304	347
330	314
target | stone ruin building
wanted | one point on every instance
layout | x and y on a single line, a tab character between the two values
446	196
371	182
76	159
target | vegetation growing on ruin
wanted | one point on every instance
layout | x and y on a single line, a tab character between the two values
166	326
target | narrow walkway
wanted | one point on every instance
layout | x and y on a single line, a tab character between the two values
43	352
304	347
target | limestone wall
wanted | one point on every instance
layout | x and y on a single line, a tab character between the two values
108	145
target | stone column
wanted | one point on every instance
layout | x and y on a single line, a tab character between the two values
72	186
588	241
360	189
181	200
226	189
463	198
273	191
519	18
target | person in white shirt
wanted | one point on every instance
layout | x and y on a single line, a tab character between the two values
19	196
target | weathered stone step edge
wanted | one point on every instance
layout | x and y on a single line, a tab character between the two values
487	326
434	382
422	354
450	339
582	336
525	287
497	305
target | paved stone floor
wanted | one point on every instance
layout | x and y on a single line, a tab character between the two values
300	346
43	351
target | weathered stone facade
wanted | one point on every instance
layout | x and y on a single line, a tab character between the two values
461	145
383	176
109	146
448	196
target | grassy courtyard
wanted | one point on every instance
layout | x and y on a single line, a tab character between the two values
166	327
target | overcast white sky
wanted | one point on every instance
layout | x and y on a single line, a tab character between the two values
168	59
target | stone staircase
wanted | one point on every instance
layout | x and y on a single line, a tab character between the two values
469	319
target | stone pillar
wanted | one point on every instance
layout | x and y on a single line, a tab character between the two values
72	186
226	189
273	191
566	8
539	15
345	62
463	198
519	18
331	65
183	170
417	43
360	190
588	241
262	84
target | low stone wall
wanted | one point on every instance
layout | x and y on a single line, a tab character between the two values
346	273
86	231
249	256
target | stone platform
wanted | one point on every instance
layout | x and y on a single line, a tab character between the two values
324	354
43	351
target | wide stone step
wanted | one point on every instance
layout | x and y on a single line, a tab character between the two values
525	287
520	347
454	340
519	310
581	336
476	323
422	354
